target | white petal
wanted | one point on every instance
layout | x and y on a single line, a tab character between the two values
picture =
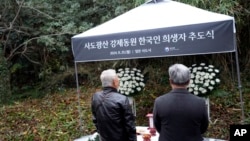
196	92
217	80
210	70
138	89
212	82
202	78
202	64
190	89
210	77
211	66
206	84
210	88
204	91
196	88
216	70
142	84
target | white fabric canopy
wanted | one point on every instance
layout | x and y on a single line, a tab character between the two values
165	28
156	15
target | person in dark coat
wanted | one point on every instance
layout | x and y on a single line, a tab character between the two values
112	114
180	115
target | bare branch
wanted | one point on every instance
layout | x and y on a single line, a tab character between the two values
32	61
12	23
25	44
47	15
18	11
2	29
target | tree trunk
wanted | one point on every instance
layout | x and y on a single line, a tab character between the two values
5	90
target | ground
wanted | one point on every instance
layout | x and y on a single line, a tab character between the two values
59	117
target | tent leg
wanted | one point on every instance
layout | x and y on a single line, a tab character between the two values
232	67
78	97
239	86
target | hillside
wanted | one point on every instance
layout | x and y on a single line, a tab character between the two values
56	116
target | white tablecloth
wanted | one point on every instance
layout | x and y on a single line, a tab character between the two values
139	137
144	129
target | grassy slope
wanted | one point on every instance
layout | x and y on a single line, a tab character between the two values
56	116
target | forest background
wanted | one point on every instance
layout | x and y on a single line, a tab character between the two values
37	77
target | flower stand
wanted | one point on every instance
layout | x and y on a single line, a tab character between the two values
207	101
132	104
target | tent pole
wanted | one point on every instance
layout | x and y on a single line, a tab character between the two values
78	98
232	67
239	83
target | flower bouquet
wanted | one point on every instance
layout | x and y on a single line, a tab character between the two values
204	79
131	81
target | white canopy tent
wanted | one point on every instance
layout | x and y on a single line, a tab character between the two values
162	29
155	15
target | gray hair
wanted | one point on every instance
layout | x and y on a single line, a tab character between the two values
107	77
179	74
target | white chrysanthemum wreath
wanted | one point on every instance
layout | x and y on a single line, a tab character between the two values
131	81
204	79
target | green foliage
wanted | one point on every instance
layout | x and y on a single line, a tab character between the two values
36	34
139	2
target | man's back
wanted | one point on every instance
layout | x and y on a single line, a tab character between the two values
180	116
113	116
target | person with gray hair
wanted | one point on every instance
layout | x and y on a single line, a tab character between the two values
179	75
179	115
112	114
108	77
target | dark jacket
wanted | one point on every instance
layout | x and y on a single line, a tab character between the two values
180	116
112	116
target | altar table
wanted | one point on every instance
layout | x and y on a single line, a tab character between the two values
139	137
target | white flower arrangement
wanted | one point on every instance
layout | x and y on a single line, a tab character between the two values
204	79
131	81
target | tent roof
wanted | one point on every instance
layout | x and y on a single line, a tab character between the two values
168	13
165	28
